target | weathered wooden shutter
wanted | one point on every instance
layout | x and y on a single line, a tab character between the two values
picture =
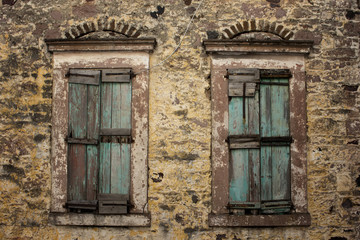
83	137
115	132
275	141
244	139
259	141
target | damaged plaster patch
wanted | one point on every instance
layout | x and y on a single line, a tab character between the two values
156	14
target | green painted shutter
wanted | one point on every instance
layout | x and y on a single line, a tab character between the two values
83	136
259	140
244	192
115	144
275	141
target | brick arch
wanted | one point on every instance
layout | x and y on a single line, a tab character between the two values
257	26
107	25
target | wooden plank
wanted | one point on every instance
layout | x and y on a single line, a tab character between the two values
77	110
116	147
245	205
124	169
93	111
245	71
113	208
121	161
245	145
125	147
242	78
236	123
93	121
265	110
280	172
275	73
82	205
276	207
77	152
83	141
125	106
92	172
105	148
113	196
280	109
115	131
266	173
254	175
77	172
253	115
239	176
84	76
116	75
237	89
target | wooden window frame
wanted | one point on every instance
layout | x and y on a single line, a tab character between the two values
100	54
235	54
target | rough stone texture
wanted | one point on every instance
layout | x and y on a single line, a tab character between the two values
180	117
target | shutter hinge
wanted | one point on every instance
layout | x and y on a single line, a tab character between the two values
132	74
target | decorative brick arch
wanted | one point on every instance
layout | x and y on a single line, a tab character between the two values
107	25
257	26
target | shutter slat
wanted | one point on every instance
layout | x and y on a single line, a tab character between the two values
115	132
281	172
92	172
81	76
105	147
116	75
82	205
254	175
276	207
77	152
236	142
77	172
83	141
239	176
244	72
125	122
266	173
275	73
120	158
245	205
113	203
237	89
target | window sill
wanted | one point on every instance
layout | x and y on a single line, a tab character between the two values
75	219
290	220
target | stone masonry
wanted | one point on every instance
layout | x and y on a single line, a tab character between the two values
179	159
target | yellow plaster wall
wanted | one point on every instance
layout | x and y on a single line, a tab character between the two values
180	114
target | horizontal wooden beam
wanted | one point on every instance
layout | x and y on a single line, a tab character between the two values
115	132
241	47
130	44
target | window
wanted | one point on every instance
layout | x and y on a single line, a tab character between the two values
99	140
259	141
258	96
100	132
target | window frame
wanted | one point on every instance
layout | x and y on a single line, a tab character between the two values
276	54
100	54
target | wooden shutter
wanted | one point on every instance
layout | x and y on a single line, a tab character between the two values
83	137
275	141
244	141
115	131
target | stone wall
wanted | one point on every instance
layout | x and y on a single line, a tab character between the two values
180	112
